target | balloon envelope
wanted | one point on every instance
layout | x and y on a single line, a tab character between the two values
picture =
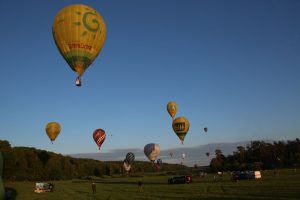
152	151
99	137
172	108
126	166
53	129
181	127
79	33
130	157
159	162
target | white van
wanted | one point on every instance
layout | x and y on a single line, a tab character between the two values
257	174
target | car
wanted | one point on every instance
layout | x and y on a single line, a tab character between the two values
245	175
180	179
239	175
44	187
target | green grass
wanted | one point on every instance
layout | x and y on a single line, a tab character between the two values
285	185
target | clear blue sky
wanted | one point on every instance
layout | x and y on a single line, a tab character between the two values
233	66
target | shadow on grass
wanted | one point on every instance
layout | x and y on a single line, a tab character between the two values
83	192
125	182
10	193
220	198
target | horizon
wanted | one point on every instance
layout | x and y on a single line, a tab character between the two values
194	155
182	147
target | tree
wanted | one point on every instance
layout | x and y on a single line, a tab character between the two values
218	163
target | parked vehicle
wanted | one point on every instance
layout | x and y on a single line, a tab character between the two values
243	175
44	187
180	179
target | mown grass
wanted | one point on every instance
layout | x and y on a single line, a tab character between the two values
283	185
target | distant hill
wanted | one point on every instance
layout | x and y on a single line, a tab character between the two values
27	163
194	155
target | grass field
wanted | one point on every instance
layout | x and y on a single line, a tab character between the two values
283	185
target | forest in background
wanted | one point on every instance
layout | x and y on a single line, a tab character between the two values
259	155
27	163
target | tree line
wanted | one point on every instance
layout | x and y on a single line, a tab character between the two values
259	155
27	163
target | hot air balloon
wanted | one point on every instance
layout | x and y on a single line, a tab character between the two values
126	166
79	33
182	158
207	154
171	154
172	109
99	137
152	151
181	126
205	129
52	130
130	157
159	161
158	164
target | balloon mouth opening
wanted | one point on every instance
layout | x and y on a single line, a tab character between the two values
78	81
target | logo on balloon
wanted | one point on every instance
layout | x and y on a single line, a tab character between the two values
90	22
179	126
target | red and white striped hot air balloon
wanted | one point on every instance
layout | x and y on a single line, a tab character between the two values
99	137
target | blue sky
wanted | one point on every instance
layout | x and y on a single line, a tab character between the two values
232	66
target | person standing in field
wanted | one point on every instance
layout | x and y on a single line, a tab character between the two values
94	187
140	185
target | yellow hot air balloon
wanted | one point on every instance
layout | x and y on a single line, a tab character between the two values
181	126
52	130
79	33
172	109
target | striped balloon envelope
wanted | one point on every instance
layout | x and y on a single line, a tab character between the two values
130	157
126	166
99	137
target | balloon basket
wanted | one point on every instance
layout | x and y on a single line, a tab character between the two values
78	82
